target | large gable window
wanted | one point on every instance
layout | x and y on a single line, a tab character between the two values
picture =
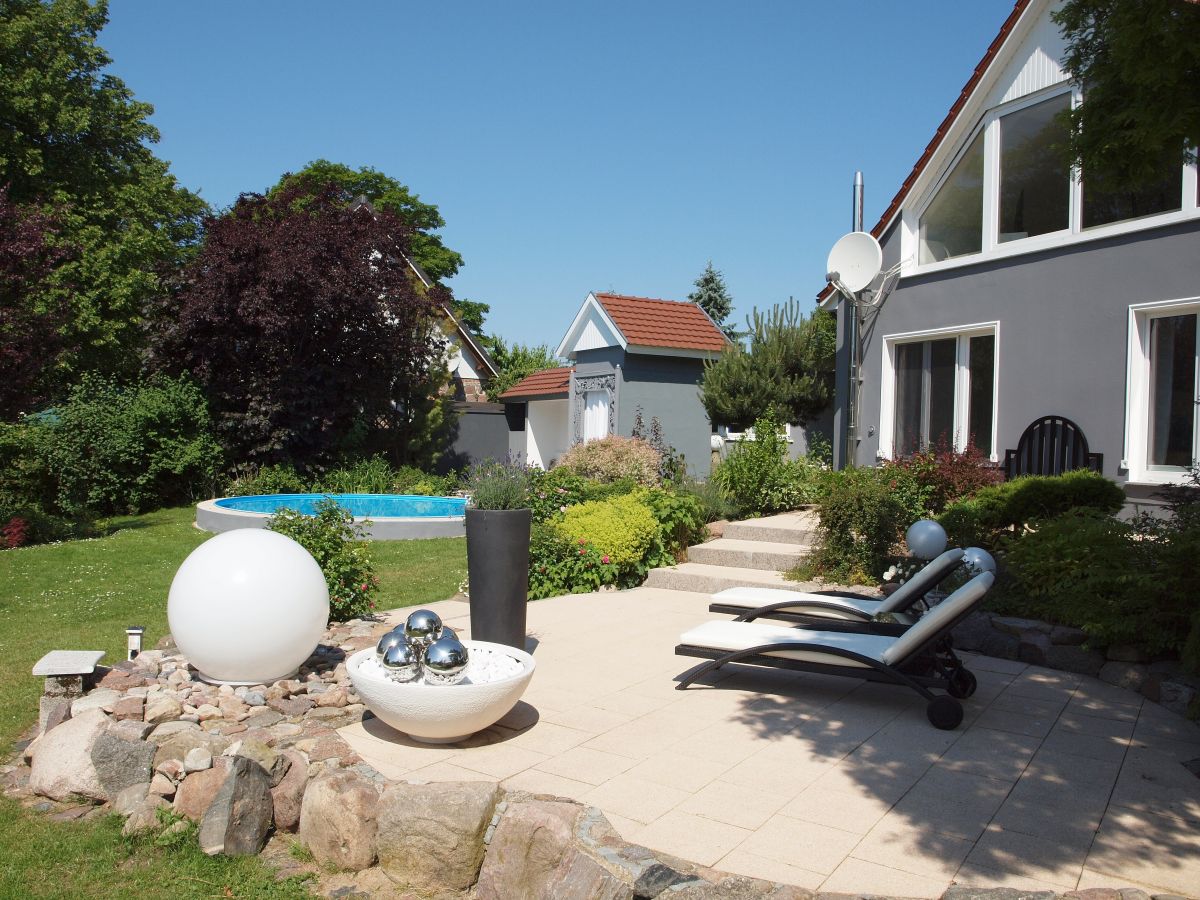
952	225
1101	207
1035	181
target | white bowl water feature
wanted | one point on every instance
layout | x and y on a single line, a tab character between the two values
497	676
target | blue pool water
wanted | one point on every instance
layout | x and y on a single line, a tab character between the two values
370	506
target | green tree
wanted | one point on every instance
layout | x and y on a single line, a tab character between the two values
515	363
713	297
1139	64
786	371
386	195
75	142
471	313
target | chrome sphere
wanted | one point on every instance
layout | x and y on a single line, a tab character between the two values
978	560
402	662
391	639
445	661
925	538
449	632
423	627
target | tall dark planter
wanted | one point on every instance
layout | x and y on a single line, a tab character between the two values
498	569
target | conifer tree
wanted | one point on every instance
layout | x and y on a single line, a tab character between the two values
713	297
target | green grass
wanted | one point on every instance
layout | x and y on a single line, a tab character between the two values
81	595
40	858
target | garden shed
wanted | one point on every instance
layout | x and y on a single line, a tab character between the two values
627	354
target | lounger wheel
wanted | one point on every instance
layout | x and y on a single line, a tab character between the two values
944	712
962	684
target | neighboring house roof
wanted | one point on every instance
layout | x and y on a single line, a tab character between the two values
643	325
543	385
893	208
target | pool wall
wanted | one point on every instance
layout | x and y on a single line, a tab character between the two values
211	517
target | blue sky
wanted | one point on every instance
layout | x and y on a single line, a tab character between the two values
570	146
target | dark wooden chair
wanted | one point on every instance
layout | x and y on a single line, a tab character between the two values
1051	445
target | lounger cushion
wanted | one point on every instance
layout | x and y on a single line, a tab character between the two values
821	605
732	636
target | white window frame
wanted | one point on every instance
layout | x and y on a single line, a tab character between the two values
962	383
748	435
1137	391
1074	234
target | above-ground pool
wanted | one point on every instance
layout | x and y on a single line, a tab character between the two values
392	517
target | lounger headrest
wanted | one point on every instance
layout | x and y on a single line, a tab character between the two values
939	619
923	582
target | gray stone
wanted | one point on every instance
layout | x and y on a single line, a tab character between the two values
102	698
1126	653
162	708
958	892
657	878
165	730
68	662
180	744
1131	676
62	762
1063	634
162	786
130	730
70	686
130	798
1017	627
1036	649
275	764
144	816
1177	697
237	821
264	719
338	820
198	759
430	837
738	887
52	712
287	797
292	706
976	633
120	763
254	698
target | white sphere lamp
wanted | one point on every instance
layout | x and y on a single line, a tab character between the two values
925	538
248	607
978	560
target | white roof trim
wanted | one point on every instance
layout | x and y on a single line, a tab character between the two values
589	313
673	351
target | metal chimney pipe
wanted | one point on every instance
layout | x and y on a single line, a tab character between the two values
857	224
852	402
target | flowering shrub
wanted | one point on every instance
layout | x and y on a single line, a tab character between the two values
613	458
499	485
550	493
623	528
681	523
13	533
336	543
559	565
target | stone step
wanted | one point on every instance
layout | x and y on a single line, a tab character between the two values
708	579
745	554
788	528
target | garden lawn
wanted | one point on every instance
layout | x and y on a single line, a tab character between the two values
81	595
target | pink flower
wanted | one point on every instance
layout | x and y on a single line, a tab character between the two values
582	541
582	552
364	587
604	559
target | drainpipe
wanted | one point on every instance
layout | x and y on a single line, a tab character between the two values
854	380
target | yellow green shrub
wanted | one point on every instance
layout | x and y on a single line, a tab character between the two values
621	528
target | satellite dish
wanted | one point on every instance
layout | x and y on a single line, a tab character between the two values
854	261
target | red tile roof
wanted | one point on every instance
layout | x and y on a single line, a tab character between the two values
545	383
671	324
940	135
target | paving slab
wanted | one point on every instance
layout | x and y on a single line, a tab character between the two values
1054	781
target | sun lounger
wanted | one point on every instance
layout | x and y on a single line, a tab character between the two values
921	658
827	609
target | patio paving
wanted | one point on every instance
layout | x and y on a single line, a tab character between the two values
1054	781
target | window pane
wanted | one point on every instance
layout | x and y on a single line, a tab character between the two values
941	393
1172	390
1035	181
983	391
909	369
953	223
1162	195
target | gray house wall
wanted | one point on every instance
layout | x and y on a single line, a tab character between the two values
1063	328
666	387
480	432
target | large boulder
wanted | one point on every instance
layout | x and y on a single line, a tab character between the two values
430	836
120	762
338	820
198	790
62	763
537	851
161	708
237	820
288	795
179	744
